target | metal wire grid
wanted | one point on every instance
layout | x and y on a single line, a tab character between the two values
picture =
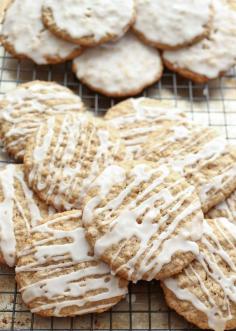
144	307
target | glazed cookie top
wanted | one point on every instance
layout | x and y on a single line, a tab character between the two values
23	109
58	274
23	34
114	69
215	54
204	293
166	26
66	154
142	220
205	158
137	119
88	22
20	210
225	209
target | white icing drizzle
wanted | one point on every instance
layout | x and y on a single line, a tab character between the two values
103	19
159	22
27	106
217	261
69	158
215	54
62	277
142	120
225	209
114	69
9	176
217	183
154	250
209	152
24	31
192	156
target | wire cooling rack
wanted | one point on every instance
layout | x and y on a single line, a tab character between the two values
144	308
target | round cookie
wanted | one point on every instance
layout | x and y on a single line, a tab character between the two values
58	275
20	210
207	160
165	26
212	56
143	220
23	109
88	22
66	154
225	209
204	292
115	69
24	35
137	119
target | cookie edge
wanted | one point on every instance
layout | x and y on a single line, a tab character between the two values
166	47
49	22
121	95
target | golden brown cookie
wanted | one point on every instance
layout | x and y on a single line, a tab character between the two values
212	56
204	292
226	208
137	119
58	275
24	35
88	22
23	109
114	69
205	158
167	26
143	220
20	210
66	154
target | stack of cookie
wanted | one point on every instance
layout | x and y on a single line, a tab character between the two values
119	46
57	272
100	202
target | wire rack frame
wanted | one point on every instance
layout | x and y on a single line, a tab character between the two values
213	104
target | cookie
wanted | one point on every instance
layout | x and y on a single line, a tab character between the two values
204	292
20	210
23	109
137	119
225	209
58	275
65	155
24	35
142	220
205	158
165	26
212	56
88	22
114	69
